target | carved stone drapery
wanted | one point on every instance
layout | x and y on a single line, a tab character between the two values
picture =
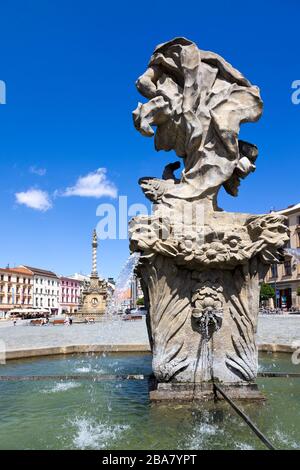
183	349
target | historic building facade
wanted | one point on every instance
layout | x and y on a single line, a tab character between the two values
83	281
45	289
69	295
285	278
16	289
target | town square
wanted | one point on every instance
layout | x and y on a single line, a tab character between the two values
150	236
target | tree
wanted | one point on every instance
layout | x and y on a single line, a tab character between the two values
298	291
266	292
140	301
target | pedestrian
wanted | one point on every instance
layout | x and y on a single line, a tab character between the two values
70	320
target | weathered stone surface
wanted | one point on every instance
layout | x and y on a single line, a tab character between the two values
168	392
200	266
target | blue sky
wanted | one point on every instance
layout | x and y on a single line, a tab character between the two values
70	68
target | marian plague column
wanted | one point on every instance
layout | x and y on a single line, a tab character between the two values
94	295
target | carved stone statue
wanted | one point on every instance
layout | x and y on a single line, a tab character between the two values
200	267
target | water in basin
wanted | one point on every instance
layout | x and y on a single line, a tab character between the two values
117	414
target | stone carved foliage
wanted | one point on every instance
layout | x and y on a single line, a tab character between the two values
169	299
243	299
182	301
208	247
270	234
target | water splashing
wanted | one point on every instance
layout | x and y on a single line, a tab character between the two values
207	322
294	252
115	303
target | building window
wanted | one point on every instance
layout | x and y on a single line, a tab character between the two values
287	268
274	270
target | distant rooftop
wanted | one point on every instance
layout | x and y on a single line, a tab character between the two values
79	277
19	270
40	272
291	208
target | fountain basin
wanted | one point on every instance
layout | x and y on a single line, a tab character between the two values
118	414
204	391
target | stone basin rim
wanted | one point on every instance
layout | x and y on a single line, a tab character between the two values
116	348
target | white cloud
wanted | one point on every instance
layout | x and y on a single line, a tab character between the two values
94	184
35	199
38	171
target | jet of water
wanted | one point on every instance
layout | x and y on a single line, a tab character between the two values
294	252
123	283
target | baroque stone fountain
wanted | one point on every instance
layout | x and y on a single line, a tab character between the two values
200	267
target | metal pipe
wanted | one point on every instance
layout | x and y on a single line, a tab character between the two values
93	378
279	374
246	418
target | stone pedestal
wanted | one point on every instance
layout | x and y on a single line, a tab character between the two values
186	392
94	298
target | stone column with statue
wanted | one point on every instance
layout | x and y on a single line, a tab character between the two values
94	295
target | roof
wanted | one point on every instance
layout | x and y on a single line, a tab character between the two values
41	272
66	278
78	277
20	270
289	209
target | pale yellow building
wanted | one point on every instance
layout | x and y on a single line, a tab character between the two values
285	278
16	289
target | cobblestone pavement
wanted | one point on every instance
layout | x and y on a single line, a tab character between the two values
279	329
116	332
271	329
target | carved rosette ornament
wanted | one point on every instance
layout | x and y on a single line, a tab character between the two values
200	267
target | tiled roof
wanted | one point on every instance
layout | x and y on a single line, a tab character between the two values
41	272
19	270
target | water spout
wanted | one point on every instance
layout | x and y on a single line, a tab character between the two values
116	301
294	252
